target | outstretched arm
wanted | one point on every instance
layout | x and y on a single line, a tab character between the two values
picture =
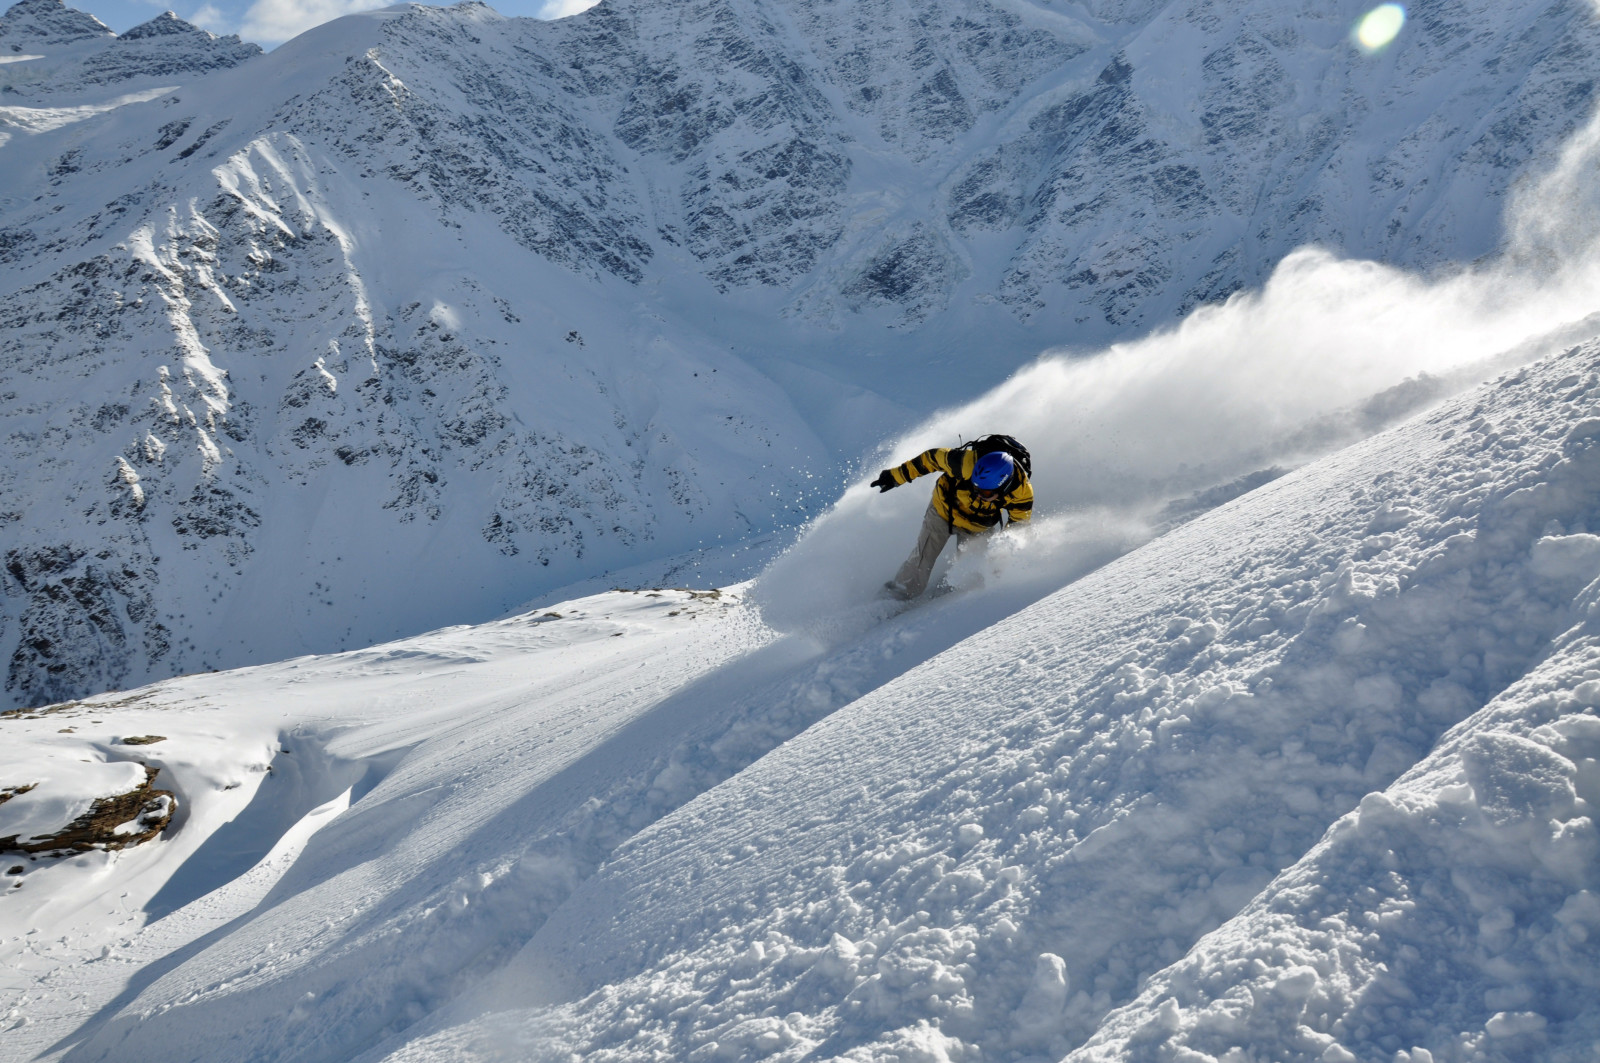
939	459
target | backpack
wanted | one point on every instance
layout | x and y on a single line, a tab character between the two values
991	443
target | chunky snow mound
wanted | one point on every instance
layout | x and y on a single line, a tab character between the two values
1309	776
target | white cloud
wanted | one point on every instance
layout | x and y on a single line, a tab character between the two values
563	8
274	21
210	17
271	22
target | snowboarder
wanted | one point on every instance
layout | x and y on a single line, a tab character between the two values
982	484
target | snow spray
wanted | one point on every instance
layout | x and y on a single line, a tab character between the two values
1327	352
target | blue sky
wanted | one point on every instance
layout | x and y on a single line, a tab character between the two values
269	22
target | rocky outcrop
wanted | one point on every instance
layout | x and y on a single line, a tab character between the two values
120	821
166	47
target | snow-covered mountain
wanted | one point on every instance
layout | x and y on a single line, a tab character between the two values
1273	737
502	304
57	55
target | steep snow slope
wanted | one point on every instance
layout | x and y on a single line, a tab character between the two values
1307	777
503	304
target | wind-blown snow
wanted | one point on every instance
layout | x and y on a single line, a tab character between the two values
1150	431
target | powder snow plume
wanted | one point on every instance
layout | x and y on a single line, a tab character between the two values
1329	351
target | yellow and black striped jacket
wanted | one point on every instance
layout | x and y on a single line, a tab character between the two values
953	496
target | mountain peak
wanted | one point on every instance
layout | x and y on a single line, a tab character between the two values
166	24
84	59
50	22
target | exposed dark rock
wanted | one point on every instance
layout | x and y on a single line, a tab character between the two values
118	822
8	792
165	25
913	273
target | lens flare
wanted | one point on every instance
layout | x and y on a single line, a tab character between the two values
1380	26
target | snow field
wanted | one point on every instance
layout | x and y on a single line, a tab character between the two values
1006	902
673	749
1307	778
990	853
1016	954
256	324
437	290
1448	917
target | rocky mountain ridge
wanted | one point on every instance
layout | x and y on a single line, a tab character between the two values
85	59
49	23
499	304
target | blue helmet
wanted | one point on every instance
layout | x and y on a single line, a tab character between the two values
993	471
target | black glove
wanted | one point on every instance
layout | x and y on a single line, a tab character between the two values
884	482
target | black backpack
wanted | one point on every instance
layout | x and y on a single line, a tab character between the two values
991	443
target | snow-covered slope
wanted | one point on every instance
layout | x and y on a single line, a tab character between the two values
502	304
1309	776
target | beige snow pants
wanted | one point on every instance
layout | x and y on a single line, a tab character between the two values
912	579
